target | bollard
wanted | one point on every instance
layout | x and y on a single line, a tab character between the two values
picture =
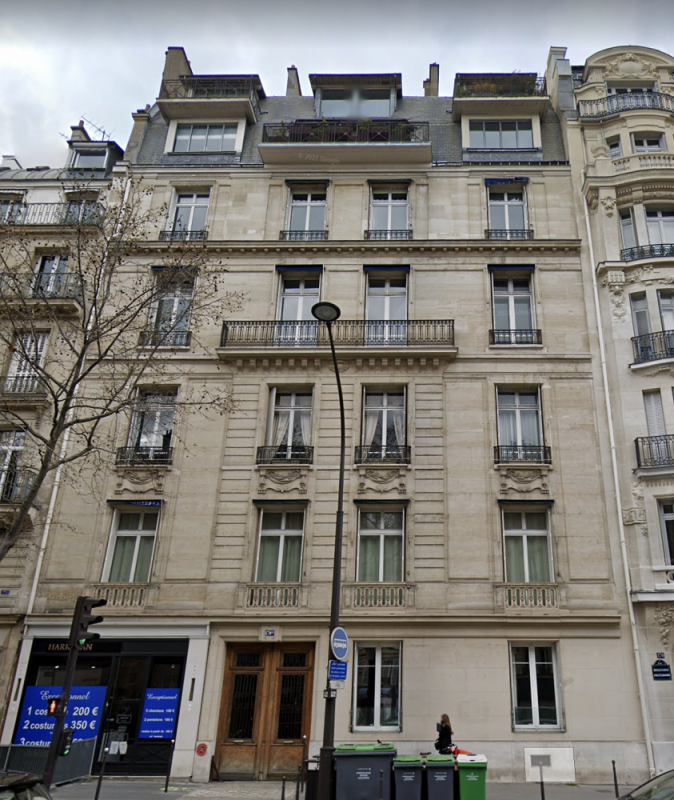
283	788
381	784
100	774
540	768
297	784
170	763
615	780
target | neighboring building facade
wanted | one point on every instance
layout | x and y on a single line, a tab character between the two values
482	572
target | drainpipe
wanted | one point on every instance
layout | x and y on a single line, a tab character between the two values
621	528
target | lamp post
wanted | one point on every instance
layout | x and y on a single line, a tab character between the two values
329	313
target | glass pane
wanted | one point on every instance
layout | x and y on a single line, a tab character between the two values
514	547
539	559
380	217
530	430
545	684
536	521
525	136
244	693
295	520
271	521
516	217
502	313
376	308
653	227
292	558
182	142
198	142
291	705
390	686
317	218
214	141
145	547
290	308
267	566
399	218
199	218
523	696
365	686
668	229
120	571
149	522
492	135
509	134
393	520
128	522
497	217
512	521
368	559
369	520
507	428
476	135
398	308
523	319
298	218
393	558
669	535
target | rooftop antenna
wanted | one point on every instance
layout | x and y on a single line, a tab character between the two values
105	136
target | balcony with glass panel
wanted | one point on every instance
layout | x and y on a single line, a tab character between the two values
206	97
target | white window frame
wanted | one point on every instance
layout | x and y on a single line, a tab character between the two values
281	535
22	375
518	412
151	405
389	203
507	203
499	122
525	534
511	294
49	282
12	443
536	723
307	205
382	533
140	534
191	125
79	152
637	297
659	216
197	201
376	726
369	391
614	144
292	409
628	231
667	551
169	144
648	143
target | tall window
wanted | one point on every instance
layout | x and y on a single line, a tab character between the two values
507	218
513	310
666	508
383	425
366	103
151	428
666	300
11	445
501	135
279	555
640	317
381	546
296	325
28	354
655	450
307	214
170	312
289	431
386	310
527	546
519	426
377	690
130	552
189	216
660	226
50	276
220	137
627	230
389	214
535	685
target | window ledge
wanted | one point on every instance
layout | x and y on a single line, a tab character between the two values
644	365
516	347
650	473
539	729
203	153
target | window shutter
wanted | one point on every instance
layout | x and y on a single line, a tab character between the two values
654	416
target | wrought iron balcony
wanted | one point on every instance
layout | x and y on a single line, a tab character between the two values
647	251
303	236
154	338
15	484
22	384
509	233
197	88
655	451
379	235
629	101
144	455
346	333
514	453
320	131
86	213
386	454
183	236
294	454
521	336
67	286
653	346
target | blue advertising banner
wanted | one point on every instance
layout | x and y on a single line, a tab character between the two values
84	714
160	710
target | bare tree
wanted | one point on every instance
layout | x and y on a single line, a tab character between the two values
88	319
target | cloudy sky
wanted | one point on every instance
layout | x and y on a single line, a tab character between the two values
60	62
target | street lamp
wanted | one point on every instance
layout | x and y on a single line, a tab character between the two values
329	313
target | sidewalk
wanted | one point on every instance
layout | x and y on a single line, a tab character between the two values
271	790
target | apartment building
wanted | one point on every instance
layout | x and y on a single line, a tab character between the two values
483	560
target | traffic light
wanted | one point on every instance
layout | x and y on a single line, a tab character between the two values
79	633
53	705
65	742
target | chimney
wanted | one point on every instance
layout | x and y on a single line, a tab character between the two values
176	64
432	83
140	121
10	162
293	88
79	133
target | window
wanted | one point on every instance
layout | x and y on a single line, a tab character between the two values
10	209
666	300
170	311
640	318
279	555
389	214
307	214
90	159
133	536
189	216
527	546
383	436
206	138
50	277
513	310
289	431
519	426
501	135
151	427
507	219
627	230
297	296
666	508
380	546
535	685
386	309
376	702
647	143
365	103
660	225
629	89
614	145
11	445
28	353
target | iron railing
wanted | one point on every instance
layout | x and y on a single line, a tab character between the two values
144	455
303	236
294	453
87	213
506	454
392	454
653	346
379	235
647	251
65	286
629	101
509	233
655	451
522	336
195	87
347	333
22	384
183	236
337	131
154	338
15	484
499	85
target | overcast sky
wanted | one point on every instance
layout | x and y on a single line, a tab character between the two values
61	61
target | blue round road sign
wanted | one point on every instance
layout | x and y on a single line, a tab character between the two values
339	644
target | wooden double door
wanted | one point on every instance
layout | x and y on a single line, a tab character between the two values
266	710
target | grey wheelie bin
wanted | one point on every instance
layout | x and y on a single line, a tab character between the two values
472	777
407	777
440	777
359	768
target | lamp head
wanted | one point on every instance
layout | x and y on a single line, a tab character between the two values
326	312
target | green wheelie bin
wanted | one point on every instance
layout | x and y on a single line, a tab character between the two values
440	778
407	777
472	777
359	769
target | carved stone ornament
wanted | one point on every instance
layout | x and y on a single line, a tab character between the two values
523	480
599	150
593	202
290	479
140	481
630	65
636	517
609	205
382	480
618	306
664	617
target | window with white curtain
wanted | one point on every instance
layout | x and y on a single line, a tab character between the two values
384	434
527	545
279	554
377	689
381	545
535	685
296	325
289	429
131	546
386	309
513	309
519	418
666	508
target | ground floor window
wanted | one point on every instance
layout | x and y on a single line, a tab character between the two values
376	702
535	685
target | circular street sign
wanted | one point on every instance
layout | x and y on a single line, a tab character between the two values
339	644
202	749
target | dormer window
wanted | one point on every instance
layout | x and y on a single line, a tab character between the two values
362	103
90	159
218	138
516	134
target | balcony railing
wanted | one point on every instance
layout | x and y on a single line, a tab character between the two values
630	101
347	333
655	451
66	286
294	454
122	595
530	596
513	453
210	88
379	595
153	338
303	236
87	213
499	85
512	233
316	131
643	161
387	236
183	236
653	346
144	455
15	484
378	454
22	384
274	595
647	251
522	336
